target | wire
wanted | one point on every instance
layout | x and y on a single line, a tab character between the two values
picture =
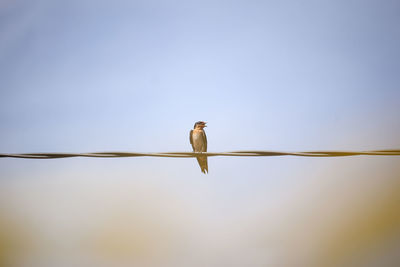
249	153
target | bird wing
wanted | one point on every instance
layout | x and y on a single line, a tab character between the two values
204	141
191	138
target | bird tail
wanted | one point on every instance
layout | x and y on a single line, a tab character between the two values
203	163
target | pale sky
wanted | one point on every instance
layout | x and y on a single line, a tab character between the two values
89	76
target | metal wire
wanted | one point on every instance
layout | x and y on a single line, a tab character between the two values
247	153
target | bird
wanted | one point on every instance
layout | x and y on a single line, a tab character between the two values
198	140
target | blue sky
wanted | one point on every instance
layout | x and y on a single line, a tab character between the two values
263	74
86	76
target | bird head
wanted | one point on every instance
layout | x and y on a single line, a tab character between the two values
200	125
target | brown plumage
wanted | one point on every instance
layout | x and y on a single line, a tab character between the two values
198	140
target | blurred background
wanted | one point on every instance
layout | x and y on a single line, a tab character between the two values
93	76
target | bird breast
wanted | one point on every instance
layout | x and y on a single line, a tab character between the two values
198	142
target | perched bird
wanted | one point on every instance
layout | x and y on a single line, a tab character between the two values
198	140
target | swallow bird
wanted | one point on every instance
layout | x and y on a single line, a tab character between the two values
198	140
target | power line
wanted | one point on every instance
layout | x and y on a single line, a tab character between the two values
247	153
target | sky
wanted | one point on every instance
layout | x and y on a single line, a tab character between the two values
92	76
